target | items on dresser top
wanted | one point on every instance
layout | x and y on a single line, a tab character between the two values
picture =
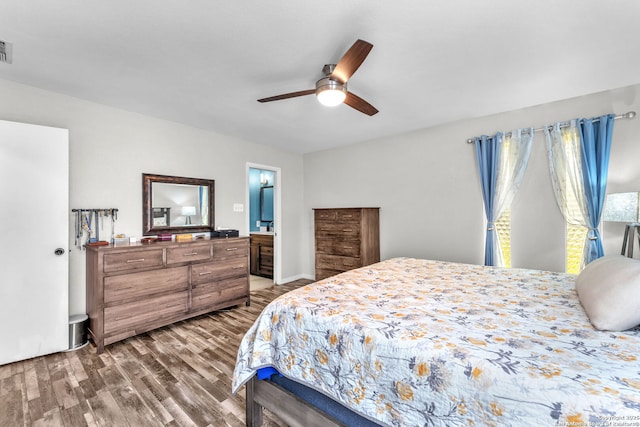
88	223
135	288
345	238
225	232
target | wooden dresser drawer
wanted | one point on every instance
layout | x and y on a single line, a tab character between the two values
212	271
349	215
226	248
136	315
262	239
144	283
337	229
335	262
133	260
217	293
326	214
189	253
338	215
349	248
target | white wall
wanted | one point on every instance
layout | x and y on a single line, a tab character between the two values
426	184
109	150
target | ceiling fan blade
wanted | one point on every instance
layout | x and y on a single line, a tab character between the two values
354	101
288	95
351	61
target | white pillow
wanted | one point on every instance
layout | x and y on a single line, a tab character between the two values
609	291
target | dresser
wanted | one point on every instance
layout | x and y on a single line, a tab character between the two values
345	238
134	288
262	255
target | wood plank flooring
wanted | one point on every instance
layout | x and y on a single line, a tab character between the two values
179	375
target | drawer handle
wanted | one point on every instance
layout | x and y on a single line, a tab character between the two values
135	260
325	229
190	254
238	267
347	216
204	273
348	230
232	249
347	247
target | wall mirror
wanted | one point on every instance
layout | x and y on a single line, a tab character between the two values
173	204
266	203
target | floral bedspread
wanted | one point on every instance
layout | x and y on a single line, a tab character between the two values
410	342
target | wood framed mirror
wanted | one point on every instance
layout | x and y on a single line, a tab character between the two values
174	204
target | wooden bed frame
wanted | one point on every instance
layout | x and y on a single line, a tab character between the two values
285	405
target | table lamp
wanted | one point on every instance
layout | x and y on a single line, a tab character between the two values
188	212
624	207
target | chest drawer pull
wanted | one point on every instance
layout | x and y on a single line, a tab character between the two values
347	247
232	249
135	260
238	267
204	273
190	254
348	230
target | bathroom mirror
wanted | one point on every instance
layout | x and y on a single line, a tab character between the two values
173	204
266	203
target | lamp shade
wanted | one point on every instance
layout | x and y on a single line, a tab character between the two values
188	210
622	207
330	92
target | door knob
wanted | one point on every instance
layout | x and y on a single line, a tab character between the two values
59	251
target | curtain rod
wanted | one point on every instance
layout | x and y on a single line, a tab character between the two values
629	115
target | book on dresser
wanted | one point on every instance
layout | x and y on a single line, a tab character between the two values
135	288
345	238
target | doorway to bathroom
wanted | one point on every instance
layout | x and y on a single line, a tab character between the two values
263	215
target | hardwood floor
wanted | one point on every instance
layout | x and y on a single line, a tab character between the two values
179	375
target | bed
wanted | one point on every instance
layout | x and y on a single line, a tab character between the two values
411	342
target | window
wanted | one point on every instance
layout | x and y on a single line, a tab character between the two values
503	228
574	247
575	233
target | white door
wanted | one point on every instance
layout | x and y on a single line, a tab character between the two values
277	215
34	229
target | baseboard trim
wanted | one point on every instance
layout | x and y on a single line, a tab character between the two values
286	280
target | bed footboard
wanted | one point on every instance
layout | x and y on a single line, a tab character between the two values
288	407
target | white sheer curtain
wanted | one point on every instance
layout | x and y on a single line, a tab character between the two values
564	154
512	163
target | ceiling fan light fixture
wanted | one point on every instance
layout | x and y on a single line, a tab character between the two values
330	92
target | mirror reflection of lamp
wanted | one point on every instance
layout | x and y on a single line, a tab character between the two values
188	212
624	207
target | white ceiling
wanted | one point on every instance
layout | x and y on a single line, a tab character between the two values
204	63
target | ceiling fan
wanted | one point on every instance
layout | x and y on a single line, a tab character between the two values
331	89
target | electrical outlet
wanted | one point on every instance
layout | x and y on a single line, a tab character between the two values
257	223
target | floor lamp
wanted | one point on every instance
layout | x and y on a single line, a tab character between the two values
624	207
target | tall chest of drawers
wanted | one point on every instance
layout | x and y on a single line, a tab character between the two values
136	288
345	238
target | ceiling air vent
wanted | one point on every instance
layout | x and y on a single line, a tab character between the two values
6	52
